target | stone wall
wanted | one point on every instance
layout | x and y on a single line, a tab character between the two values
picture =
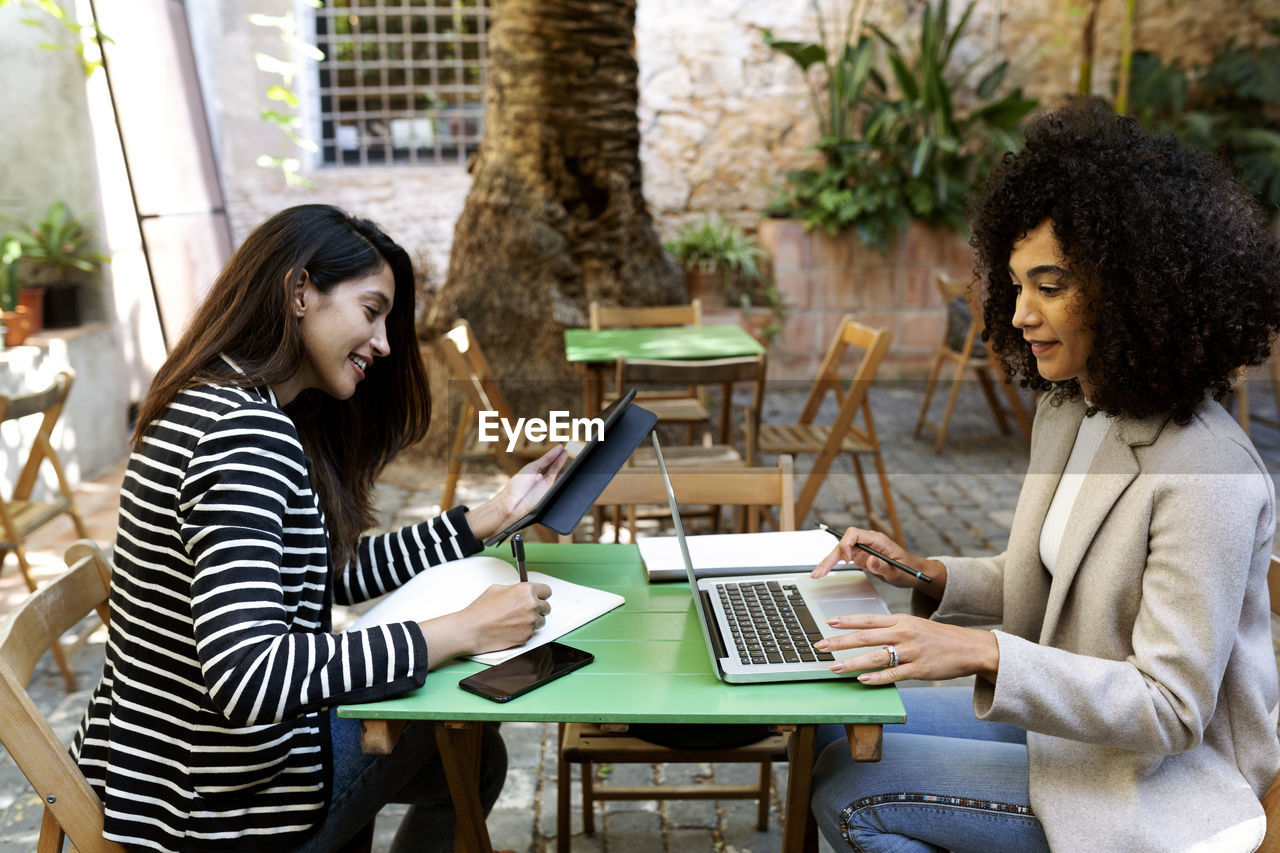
822	278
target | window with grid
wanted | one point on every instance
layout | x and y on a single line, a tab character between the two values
402	81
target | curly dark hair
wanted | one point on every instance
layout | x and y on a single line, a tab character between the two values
1179	268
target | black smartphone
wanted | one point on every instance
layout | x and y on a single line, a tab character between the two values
505	681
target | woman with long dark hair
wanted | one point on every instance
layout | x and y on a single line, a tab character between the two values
1128	699
242	521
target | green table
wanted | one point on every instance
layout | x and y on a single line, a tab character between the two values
595	351
650	666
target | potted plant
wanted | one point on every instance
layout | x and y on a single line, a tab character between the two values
52	252
718	258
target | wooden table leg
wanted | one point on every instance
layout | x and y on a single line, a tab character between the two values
378	737
799	832
865	740
459	745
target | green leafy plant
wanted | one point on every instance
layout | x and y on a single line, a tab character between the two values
51	247
1230	106
47	14
914	156
715	244
286	119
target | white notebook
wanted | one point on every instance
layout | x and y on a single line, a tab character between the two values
735	553
451	586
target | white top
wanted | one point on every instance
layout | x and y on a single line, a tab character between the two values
1092	429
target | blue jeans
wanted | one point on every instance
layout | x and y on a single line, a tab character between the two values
947	781
412	773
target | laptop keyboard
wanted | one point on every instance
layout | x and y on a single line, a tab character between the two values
769	622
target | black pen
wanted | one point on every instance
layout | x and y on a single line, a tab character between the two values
873	552
517	548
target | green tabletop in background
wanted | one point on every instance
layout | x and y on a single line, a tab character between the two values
672	342
651	665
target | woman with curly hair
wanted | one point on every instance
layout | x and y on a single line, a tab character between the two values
1128	701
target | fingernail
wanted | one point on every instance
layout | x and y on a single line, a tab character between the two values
821	645
864	678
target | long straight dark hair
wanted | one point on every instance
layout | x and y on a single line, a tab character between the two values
247	315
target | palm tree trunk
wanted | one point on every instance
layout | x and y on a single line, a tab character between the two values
555	216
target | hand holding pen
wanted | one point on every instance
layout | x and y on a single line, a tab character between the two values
826	566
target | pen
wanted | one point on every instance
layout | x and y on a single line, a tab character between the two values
517	548
873	552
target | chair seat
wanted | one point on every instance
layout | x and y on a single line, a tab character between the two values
684	455
673	409
591	742
806	438
31	515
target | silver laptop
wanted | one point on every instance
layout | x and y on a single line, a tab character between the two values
762	627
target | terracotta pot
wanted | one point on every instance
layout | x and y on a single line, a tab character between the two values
705	283
17	326
32	299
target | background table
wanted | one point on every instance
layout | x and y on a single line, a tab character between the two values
596	351
651	666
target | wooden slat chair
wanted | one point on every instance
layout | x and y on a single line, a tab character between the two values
1271	799
827	441
71	807
987	369
588	744
673	404
726	373
471	372
22	514
1240	388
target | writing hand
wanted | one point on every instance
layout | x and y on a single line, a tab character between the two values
502	616
926	650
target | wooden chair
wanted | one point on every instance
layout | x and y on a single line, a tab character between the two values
588	744
988	371
1240	387
723	372
471	371
841	435
21	515
673	405
71	806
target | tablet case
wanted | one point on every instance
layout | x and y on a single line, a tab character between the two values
585	477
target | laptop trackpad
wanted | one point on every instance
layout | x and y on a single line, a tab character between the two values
832	607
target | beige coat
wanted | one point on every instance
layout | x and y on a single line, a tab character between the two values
1143	667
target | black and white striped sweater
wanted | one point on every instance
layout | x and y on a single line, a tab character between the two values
210	721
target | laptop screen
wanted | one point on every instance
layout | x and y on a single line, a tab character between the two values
703	616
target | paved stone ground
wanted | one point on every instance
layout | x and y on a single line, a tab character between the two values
958	502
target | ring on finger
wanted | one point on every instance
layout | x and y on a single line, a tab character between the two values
893	655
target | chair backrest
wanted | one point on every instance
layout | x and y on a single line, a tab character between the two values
950	289
461	351
725	372
873	344
613	317
719	485
48	402
71	805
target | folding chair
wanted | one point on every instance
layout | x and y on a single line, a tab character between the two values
673	405
725	373
841	435
588	744
965	358
1240	388
71	806
470	369
21	515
